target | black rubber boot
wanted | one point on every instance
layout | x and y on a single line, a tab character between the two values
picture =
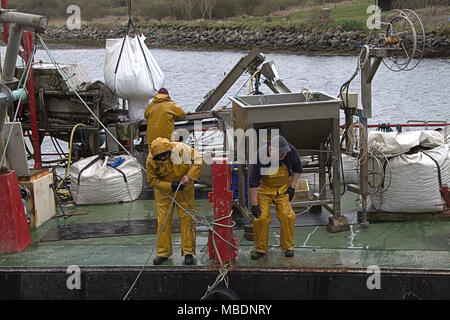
188	259
257	255
158	260
289	253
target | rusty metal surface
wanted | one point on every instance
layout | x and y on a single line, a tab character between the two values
190	283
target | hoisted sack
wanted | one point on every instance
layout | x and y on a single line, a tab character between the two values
131	72
97	180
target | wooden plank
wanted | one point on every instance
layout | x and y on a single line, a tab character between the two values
33	175
44	199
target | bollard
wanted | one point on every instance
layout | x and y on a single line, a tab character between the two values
221	197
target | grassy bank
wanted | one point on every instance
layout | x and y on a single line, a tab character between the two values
347	15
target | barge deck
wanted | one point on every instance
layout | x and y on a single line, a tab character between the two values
413	260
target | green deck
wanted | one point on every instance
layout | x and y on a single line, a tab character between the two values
399	245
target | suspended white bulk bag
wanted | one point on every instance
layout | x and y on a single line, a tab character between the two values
413	182
94	181
132	73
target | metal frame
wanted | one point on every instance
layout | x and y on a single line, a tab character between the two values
291	109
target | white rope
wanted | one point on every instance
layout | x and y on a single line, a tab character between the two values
354	142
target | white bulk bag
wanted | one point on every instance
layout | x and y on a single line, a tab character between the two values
395	143
132	73
93	181
351	170
412	182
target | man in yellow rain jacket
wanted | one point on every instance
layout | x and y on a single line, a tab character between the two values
172	166
269	183
161	115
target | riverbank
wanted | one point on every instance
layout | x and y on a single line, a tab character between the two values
332	41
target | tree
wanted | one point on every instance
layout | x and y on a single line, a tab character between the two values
207	7
189	7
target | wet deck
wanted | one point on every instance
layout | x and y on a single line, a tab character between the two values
406	250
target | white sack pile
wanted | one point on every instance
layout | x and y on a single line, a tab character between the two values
412	180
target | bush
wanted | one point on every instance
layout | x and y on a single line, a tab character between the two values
353	25
320	16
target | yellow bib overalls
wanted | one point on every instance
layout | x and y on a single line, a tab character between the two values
272	189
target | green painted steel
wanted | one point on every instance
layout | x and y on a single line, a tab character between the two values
410	245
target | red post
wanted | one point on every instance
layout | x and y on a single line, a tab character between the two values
5	26
27	43
14	232
222	197
445	192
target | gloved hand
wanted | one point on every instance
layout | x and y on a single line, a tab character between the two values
291	192
175	186
256	211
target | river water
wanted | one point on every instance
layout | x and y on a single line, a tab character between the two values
420	94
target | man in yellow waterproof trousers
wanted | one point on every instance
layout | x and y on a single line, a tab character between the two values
274	183
172	168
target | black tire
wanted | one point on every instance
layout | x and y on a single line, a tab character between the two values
222	294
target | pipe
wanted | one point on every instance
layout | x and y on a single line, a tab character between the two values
35	22
12	52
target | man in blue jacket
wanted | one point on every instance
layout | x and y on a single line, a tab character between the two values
269	183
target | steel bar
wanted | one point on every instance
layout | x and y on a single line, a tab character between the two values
11	52
37	22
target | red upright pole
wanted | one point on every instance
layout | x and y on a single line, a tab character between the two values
27	44
222	244
5	26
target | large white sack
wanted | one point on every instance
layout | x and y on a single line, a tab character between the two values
101	183
351	170
138	77
395	143
413	182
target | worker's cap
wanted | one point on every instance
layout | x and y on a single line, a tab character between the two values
280	143
163	91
